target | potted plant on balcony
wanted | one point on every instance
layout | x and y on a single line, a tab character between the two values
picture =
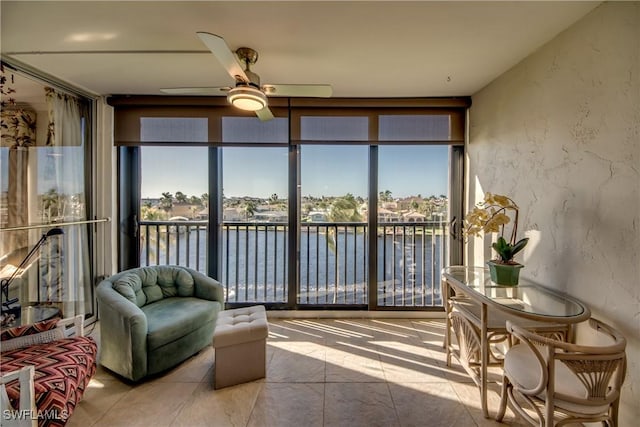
492	216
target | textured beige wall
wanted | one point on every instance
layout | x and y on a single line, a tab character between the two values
560	133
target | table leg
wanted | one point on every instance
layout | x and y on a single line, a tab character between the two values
447	326
484	363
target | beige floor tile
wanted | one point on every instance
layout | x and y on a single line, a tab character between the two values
379	328
226	407
103	373
406	349
338	331
432	404
469	395
401	367
359	404
294	330
99	397
150	404
353	363
297	363
288	405
194	369
430	330
436	352
320	372
455	372
394	329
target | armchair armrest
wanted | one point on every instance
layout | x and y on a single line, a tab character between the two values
207	287
123	332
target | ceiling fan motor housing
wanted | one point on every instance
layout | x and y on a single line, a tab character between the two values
249	56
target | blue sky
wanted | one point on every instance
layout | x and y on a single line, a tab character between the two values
326	170
329	170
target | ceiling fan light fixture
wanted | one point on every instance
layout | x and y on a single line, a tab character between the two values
247	98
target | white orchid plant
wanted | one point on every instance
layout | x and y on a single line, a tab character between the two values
491	216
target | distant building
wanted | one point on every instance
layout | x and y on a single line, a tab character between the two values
414	217
233	214
203	214
318	216
385	215
271	216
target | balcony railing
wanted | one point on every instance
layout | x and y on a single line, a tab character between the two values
333	260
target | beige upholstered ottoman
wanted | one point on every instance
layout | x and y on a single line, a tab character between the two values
240	342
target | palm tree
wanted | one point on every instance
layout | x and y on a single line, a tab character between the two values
385	196
181	198
51	204
148	213
250	209
166	202
343	209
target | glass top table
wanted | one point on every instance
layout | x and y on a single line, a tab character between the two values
527	299
477	310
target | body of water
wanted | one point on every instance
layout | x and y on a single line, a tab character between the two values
332	268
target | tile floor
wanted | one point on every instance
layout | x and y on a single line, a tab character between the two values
320	372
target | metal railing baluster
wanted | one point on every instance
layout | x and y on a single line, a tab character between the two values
336	263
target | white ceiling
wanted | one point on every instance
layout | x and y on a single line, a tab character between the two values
363	49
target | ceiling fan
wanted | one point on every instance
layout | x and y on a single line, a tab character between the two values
248	94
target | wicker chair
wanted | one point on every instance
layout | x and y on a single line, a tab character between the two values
464	321
553	383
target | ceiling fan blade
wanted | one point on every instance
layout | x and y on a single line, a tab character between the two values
315	91
264	114
227	58
196	90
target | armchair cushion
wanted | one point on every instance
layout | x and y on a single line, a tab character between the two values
175	282
130	287
524	369
175	317
150	284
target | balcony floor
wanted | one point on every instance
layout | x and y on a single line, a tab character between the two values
320	372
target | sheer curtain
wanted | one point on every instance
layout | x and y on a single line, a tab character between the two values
65	268
18	136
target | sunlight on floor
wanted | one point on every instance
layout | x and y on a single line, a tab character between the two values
320	372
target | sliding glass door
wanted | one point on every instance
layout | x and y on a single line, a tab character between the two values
255	228
413	207
333	225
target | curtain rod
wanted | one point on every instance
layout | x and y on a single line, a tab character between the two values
55	224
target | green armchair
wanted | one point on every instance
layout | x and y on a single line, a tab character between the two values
153	318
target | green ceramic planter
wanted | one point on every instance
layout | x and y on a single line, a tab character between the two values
504	274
